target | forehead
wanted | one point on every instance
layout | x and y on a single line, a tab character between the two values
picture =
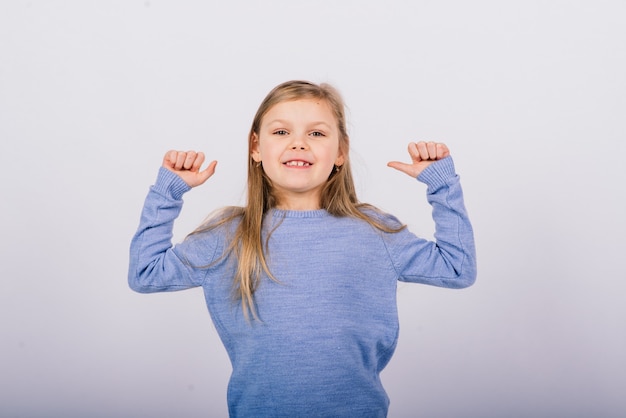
301	110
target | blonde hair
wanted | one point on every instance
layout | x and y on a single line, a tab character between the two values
338	196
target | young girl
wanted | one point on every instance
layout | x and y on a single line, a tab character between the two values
301	282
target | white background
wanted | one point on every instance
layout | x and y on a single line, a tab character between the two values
529	95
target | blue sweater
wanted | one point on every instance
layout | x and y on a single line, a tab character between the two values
330	326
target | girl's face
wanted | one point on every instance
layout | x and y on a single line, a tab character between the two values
298	146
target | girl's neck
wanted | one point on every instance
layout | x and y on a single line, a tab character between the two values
297	207
298	203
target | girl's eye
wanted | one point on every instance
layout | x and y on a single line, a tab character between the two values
280	132
317	133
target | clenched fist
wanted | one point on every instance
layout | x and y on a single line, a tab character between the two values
422	155
187	164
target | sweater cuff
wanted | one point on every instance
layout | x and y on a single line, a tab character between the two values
438	173
170	185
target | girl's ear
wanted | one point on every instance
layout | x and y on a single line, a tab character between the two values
255	153
340	160
342	152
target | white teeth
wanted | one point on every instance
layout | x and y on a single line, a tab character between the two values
296	163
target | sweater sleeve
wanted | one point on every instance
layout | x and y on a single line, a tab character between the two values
155	265
449	261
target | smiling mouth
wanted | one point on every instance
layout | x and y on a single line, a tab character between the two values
297	164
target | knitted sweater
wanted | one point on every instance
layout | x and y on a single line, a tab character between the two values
329	325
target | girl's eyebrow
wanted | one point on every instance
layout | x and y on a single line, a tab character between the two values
285	122
321	122
276	121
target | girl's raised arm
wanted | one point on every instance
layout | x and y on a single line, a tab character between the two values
155	265
450	260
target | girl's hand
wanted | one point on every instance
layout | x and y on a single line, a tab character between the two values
187	166
422	155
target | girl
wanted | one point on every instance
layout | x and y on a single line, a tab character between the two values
301	282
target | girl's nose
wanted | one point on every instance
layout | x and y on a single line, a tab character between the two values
298	143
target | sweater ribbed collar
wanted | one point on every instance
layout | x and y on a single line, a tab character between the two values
283	213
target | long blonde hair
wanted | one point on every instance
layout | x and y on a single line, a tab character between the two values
338	196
